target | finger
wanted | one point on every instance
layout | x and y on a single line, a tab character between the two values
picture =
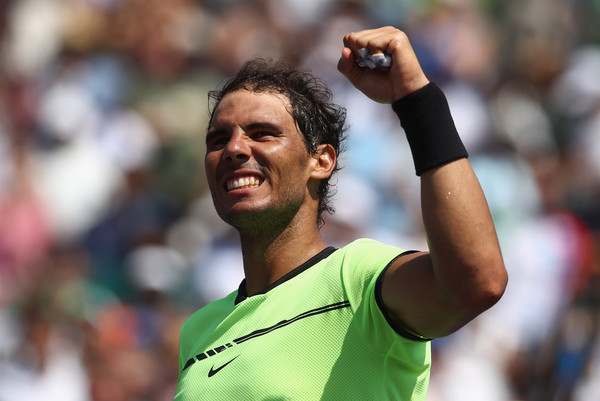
359	40
374	40
347	65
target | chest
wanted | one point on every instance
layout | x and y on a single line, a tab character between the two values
279	346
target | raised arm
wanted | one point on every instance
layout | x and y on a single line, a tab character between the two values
432	293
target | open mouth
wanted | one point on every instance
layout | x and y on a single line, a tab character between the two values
243	182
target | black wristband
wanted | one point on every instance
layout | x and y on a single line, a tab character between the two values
429	127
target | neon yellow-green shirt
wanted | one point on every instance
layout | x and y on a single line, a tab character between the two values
318	333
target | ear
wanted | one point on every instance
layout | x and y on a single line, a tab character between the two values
323	161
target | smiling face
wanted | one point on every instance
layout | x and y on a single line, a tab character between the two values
257	164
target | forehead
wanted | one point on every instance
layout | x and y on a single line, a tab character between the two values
244	107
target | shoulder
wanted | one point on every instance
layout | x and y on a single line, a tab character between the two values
368	252
360	264
210	314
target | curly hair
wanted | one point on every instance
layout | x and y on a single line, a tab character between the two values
319	119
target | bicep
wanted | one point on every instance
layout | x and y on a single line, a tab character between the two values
411	298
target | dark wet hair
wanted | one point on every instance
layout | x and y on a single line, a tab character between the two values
319	119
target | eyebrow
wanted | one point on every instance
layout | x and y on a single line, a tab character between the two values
269	126
213	132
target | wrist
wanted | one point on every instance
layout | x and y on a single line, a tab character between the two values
432	136
409	88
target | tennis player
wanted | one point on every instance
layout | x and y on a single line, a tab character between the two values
314	322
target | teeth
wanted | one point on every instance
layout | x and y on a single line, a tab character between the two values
243	182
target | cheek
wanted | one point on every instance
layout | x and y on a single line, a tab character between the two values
299	161
210	163
287	166
294	169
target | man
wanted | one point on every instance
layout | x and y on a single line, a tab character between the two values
311	322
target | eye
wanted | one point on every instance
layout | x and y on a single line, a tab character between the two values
216	140
262	135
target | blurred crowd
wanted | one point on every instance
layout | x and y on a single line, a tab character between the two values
108	238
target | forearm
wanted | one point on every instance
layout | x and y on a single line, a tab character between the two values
467	262
461	235
463	274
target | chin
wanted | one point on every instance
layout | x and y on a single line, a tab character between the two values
263	219
241	216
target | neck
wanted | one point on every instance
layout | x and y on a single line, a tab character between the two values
270	254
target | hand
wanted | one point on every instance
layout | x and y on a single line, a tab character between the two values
384	85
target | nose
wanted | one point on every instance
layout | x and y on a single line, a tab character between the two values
237	147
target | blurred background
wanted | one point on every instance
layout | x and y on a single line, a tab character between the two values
108	238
